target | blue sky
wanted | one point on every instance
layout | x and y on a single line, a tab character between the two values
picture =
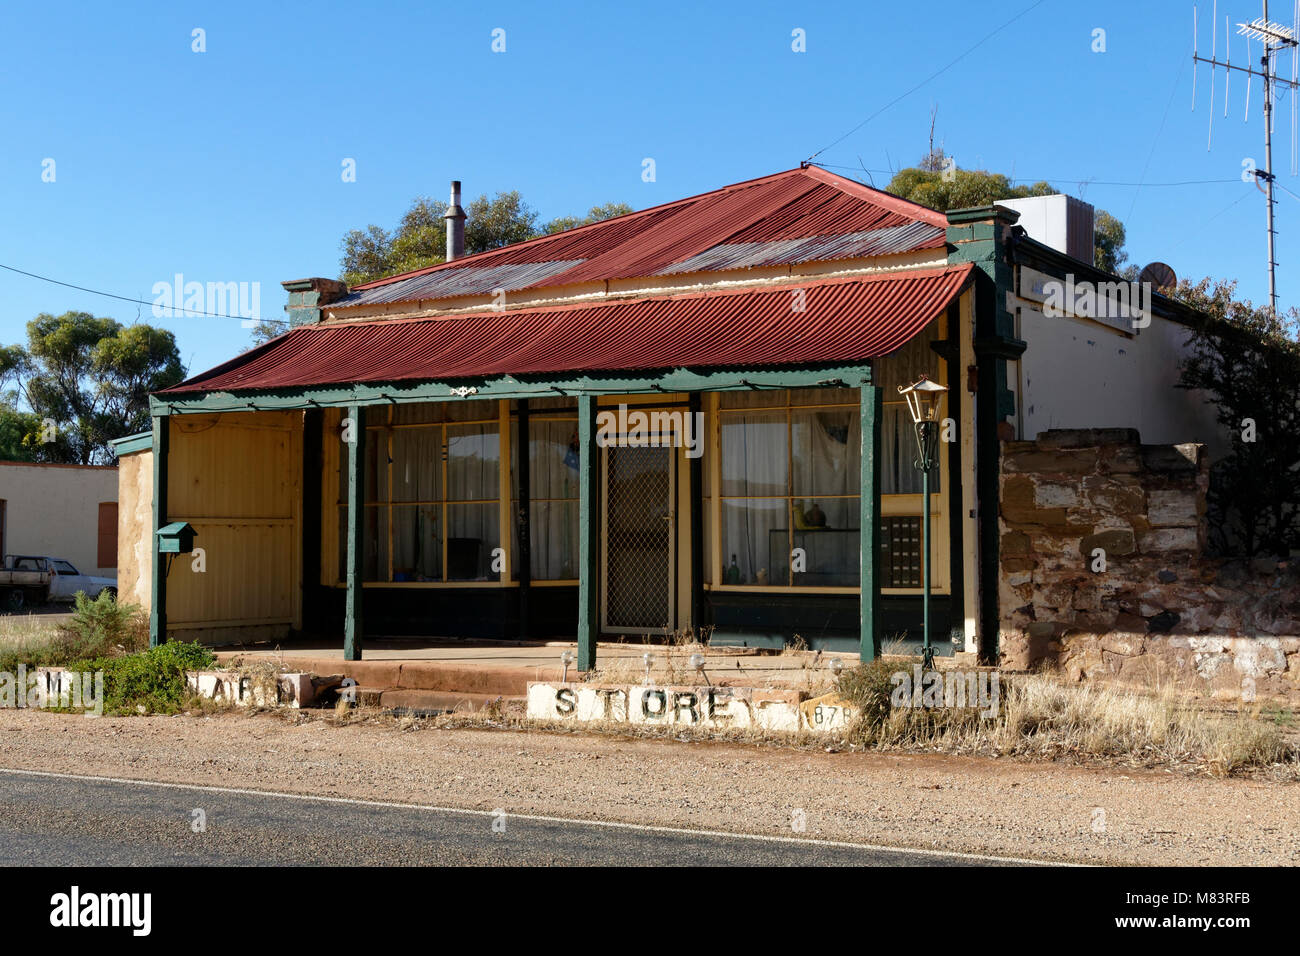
225	166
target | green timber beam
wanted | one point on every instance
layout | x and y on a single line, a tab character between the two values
507	386
871	411
523	517
588	534
982	235
158	573
354	436
696	499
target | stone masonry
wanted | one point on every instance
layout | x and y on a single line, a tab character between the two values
1103	572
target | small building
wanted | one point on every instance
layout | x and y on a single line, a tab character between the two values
62	511
683	419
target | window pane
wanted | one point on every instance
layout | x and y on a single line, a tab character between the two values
708	541
473	532
553	459
376	483
554	526
755	541
898	453
343	543
374	563
827	452
755	459
417	464
900	551
417	545
345	453
829	544
473	462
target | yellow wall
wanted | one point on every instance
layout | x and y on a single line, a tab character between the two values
236	478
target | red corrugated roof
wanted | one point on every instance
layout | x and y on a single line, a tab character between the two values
843	320
806	203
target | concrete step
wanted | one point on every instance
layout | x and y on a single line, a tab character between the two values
434	700
390	698
428	675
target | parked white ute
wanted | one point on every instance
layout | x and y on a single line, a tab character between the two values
68	581
30	579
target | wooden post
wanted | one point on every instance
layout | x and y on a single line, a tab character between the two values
523	518
696	492
869	523
353	621
588	534
158	574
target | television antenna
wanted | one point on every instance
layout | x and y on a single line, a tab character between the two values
1274	38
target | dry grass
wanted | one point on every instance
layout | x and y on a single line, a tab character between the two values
1042	718
27	630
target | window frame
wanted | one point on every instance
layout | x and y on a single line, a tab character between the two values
381	434
907	504
539	415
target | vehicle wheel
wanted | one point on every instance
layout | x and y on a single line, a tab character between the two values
111	592
13	601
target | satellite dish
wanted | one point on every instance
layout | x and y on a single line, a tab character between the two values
1160	275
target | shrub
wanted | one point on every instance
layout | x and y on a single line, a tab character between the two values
868	688
100	627
1247	361
152	679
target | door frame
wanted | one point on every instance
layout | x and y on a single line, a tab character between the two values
672	546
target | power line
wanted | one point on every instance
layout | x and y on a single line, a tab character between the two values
932	76
126	298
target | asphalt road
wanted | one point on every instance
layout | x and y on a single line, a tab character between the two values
66	821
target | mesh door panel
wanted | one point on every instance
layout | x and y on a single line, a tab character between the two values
638	537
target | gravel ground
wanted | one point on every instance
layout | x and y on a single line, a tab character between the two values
966	804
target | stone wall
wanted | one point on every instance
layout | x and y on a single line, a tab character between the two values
1103	572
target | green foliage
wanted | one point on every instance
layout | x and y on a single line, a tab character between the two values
610	210
965	188
1108	242
153	680
1247	361
19	432
98	629
266	329
500	222
91	378
420	239
102	625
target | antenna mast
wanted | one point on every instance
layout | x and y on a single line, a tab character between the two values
1274	37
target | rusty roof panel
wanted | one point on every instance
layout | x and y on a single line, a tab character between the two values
854	245
843	320
509	277
797	205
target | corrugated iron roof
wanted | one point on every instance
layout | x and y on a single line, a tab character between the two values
842	320
801	215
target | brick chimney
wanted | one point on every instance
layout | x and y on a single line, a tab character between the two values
455	224
306	296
